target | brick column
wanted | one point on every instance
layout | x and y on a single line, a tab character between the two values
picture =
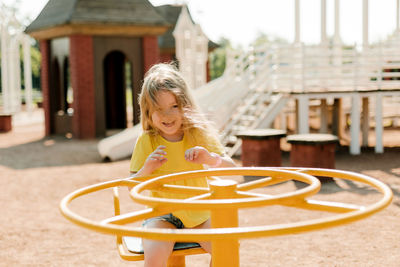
261	147
313	150
151	52
5	123
44	46
166	57
82	80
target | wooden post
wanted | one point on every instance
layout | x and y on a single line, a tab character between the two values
378	124
355	125
303	115
297	21
324	117
365	121
336	117
365	23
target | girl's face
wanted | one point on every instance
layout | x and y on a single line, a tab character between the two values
167	118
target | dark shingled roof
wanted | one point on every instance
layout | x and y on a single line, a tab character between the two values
171	14
115	12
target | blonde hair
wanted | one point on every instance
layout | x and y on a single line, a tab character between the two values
165	77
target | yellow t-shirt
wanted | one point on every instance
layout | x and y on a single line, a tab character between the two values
176	162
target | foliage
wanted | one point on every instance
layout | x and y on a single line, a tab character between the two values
35	59
35	66
263	39
217	58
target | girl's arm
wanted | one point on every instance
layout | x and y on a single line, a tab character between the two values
223	161
200	155
154	161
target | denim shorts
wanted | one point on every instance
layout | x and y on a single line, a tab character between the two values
167	218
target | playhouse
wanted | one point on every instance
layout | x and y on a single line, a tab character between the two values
93	51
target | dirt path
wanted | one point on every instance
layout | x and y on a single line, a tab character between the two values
37	172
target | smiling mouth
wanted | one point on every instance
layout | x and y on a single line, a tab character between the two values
170	124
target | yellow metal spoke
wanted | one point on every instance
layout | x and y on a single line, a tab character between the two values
241	194
267	181
199	197
133	216
182	189
328	206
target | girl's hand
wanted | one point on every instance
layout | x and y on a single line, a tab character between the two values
155	160
200	155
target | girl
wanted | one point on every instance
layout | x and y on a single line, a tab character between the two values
176	138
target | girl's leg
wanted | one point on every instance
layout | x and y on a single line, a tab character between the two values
206	245
156	253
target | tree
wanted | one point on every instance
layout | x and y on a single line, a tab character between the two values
217	58
263	39
35	63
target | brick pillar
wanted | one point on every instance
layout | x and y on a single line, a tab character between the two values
166	57
5	123
151	52
45	83
312	150
261	147
82	80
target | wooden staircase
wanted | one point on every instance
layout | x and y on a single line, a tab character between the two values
258	108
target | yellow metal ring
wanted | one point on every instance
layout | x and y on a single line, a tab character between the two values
235	233
313	187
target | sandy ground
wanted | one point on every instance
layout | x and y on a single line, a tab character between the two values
37	172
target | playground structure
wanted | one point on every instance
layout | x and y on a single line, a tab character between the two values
327	72
277	74
261	84
223	199
341	84
12	39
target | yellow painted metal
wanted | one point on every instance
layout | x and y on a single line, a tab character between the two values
312	188
177	258
225	252
176	261
224	202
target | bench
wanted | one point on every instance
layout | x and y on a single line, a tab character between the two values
130	248
312	150
5	122
261	147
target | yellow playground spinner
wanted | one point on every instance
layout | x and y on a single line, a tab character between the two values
223	199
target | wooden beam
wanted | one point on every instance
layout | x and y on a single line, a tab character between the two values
378	124
355	125
103	30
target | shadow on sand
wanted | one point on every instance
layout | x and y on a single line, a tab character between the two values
49	152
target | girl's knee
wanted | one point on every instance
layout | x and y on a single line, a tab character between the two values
156	253
205	244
